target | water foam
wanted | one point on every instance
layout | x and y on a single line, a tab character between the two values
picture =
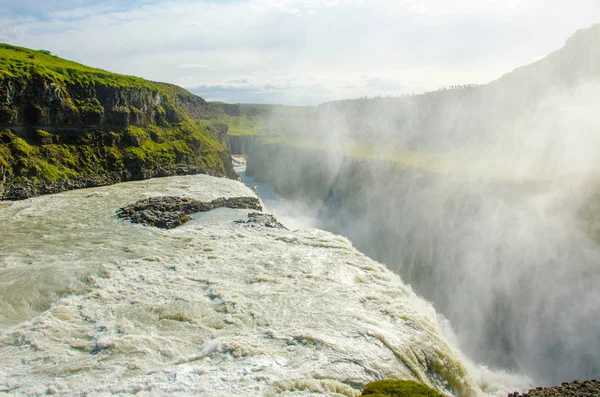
213	307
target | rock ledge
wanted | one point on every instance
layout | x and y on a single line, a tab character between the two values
169	212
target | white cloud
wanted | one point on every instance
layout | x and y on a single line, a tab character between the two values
193	66
74	13
404	46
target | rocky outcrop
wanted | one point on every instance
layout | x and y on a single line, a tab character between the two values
29	189
43	103
169	212
40	102
64	126
576	388
260	219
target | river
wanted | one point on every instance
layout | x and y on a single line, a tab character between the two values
92	304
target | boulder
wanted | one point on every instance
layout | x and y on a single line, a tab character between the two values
169	212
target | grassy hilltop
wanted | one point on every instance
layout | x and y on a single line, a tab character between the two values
264	120
65	125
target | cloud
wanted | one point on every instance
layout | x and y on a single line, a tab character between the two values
234	93
386	85
238	81
73	13
295	93
334	42
193	66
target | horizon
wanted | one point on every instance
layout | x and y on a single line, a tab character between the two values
299	53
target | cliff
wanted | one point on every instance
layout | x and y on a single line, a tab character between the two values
484	251
484	199
64	125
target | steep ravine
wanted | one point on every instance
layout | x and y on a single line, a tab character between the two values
485	251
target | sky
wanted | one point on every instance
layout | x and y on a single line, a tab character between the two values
299	52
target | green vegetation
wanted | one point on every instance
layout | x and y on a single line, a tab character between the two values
67	121
183	143
35	162
399	388
262	120
426	161
23	64
100	152
238	125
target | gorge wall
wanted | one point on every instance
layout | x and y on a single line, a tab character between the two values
485	251
483	198
242	144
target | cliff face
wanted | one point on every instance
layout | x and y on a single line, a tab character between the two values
43	103
483	250
242	144
64	125
294	172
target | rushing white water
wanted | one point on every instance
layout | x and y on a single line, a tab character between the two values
92	304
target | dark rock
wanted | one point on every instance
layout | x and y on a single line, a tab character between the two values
28	189
170	211
24	189
575	388
260	219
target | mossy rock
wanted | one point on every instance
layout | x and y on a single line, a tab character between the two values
69	126
43	137
399	388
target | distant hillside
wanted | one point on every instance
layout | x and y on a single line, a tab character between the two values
65	125
531	97
529	109
254	119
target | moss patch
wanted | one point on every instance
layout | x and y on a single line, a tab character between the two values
399	388
183	144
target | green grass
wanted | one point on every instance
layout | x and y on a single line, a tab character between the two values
260	119
426	161
24	64
36	162
238	126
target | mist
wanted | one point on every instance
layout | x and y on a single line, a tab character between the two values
485	199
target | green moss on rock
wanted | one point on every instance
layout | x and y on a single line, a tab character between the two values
399	388
66	122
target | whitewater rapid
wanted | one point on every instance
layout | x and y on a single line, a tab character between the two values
92	304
